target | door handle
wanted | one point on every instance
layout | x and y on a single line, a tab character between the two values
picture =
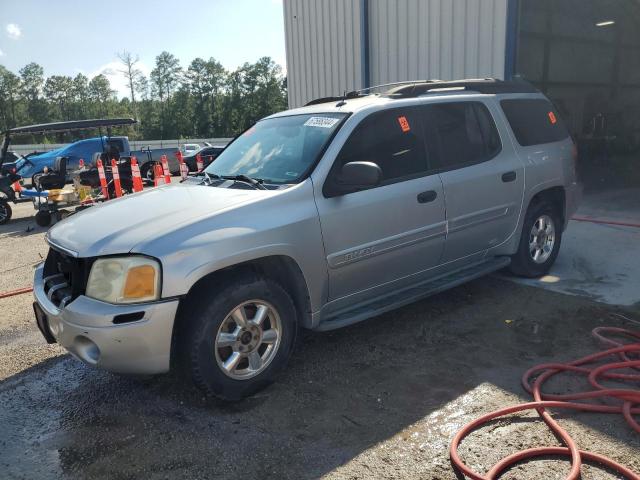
427	197
509	177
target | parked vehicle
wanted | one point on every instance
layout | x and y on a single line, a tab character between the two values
87	149
107	147
52	170
147	158
318	218
189	148
208	155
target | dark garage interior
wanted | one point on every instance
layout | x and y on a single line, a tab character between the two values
585	55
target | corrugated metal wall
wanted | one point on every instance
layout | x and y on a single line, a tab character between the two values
445	39
323	48
408	40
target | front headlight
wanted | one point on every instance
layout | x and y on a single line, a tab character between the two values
128	279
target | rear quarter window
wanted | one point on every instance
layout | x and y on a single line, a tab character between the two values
534	121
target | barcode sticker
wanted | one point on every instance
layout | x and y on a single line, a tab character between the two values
321	122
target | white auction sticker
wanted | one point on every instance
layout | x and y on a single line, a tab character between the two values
322	122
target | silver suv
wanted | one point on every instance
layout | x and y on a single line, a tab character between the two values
317	218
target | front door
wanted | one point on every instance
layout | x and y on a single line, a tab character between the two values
380	239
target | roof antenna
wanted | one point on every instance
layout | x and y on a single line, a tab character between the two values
342	101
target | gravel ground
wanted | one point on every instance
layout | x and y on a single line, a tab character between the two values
381	399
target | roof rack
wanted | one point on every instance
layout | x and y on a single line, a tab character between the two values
346	96
359	93
480	85
416	88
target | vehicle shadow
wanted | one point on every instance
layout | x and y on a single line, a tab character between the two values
408	379
21	227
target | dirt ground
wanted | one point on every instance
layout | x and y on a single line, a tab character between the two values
381	399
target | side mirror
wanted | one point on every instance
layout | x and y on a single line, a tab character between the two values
356	176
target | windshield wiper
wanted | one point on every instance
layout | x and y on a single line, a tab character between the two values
208	176
257	183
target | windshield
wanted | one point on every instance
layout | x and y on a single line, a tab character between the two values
278	150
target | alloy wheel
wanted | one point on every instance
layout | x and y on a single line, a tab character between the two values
248	339
542	239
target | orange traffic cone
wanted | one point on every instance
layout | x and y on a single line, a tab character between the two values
184	169
103	180
165	169
116	177
158	179
135	175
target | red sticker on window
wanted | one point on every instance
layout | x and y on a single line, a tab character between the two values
404	124
552	118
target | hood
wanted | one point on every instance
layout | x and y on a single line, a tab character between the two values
117	226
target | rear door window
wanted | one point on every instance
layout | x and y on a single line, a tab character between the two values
392	139
534	121
460	134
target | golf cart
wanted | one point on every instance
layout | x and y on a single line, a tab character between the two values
49	173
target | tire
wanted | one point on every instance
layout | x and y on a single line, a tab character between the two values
43	219
146	172
212	339
542	217
5	212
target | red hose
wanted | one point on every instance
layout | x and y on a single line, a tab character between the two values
606	222
12	293
628	405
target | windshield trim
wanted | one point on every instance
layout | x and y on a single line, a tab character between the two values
312	166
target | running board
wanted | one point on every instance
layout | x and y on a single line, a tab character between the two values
412	294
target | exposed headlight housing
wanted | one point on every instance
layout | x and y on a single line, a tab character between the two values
130	279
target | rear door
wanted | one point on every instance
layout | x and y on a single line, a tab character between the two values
382	238
482	176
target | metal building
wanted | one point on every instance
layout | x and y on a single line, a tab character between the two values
584	54
338	45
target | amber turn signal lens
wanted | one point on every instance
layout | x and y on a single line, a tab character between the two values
141	282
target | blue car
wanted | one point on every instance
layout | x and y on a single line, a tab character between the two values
86	150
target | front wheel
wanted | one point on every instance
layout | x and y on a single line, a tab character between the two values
539	243
5	212
237	342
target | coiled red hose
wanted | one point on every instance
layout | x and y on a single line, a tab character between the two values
629	399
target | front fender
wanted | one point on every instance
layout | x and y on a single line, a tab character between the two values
286	225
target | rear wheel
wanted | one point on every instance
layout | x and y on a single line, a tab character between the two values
237	342
540	241
5	212
43	218
146	172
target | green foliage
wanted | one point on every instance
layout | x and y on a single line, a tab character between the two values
203	101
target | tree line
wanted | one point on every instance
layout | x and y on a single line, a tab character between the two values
202	101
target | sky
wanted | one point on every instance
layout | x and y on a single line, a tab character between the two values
67	37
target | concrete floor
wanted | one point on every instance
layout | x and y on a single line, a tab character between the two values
601	262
